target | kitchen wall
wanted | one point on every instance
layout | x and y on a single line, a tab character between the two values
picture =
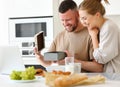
2	30
115	18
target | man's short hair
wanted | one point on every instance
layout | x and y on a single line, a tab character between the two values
66	5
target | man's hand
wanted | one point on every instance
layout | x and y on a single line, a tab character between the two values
37	54
41	58
61	62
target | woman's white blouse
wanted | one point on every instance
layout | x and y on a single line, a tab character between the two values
108	52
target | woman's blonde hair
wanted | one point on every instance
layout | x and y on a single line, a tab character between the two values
93	6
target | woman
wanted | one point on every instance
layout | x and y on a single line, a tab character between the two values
104	33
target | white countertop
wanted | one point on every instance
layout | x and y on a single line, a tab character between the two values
6	82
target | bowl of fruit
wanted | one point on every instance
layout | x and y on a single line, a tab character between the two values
28	75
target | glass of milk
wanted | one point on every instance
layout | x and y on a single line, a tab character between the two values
69	64
77	67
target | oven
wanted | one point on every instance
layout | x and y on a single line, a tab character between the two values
23	29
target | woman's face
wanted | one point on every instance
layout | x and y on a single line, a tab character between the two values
88	20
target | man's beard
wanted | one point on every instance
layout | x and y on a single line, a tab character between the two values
73	27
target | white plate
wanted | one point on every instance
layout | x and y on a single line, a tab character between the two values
24	81
59	67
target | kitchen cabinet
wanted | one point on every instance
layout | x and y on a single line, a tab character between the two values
27	8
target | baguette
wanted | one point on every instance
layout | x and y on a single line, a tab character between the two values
40	72
58	79
65	81
92	80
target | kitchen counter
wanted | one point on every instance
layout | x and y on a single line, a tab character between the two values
5	81
111	81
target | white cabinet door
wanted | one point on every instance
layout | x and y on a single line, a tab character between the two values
25	8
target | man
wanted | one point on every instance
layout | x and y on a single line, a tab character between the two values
73	40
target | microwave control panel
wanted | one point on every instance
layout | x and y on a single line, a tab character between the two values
28	44
27	48
28	53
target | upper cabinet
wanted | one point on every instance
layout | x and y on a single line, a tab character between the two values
25	8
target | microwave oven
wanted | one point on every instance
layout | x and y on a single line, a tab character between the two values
23	29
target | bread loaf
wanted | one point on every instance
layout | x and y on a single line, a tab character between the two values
58	79
40	72
69	80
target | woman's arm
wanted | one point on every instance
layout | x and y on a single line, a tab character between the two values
91	66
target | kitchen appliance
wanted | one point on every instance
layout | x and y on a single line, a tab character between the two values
23	29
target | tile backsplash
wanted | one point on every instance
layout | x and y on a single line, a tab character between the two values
115	18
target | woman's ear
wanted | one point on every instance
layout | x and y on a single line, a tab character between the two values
98	14
77	14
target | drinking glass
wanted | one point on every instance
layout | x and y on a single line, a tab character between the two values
69	64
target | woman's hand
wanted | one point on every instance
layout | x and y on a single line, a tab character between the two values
94	35
93	32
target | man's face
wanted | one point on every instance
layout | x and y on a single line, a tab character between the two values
69	20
